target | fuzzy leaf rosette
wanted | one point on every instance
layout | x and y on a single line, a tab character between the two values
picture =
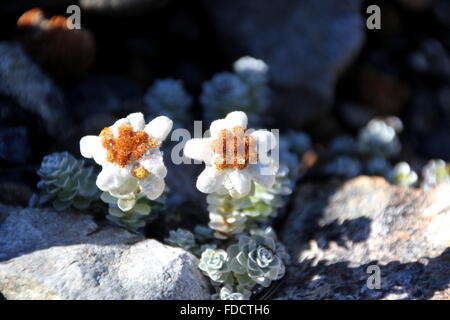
227	293
234	157
130	156
214	264
255	260
65	182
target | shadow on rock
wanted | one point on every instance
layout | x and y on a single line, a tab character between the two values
336	231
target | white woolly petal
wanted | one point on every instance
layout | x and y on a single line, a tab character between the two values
222	190
152	186
217	126
227	183
159	127
124	183
241	182
237	118
117	124
155	166
209	180
136	120
106	177
116	180
265	140
234	194
263	175
198	149
153	162
100	155
88	145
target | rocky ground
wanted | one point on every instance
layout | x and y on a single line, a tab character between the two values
335	231
324	64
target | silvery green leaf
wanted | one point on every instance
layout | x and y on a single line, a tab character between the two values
142	208
107	198
66	195
65	179
116	212
237	267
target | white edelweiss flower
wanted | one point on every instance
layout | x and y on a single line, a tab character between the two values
234	157
130	156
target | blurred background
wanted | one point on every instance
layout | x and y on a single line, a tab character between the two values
328	74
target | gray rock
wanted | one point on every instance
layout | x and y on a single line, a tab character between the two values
120	6
145	270
30	88
307	44
67	256
25	230
335	232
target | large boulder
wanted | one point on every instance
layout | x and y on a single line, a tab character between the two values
49	255
307	45
145	270
336	232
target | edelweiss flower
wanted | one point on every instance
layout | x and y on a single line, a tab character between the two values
234	157
129	153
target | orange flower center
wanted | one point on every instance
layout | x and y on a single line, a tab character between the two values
234	149
128	146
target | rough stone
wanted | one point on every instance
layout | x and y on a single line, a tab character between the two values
25	230
147	270
335	232
307	44
68	256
